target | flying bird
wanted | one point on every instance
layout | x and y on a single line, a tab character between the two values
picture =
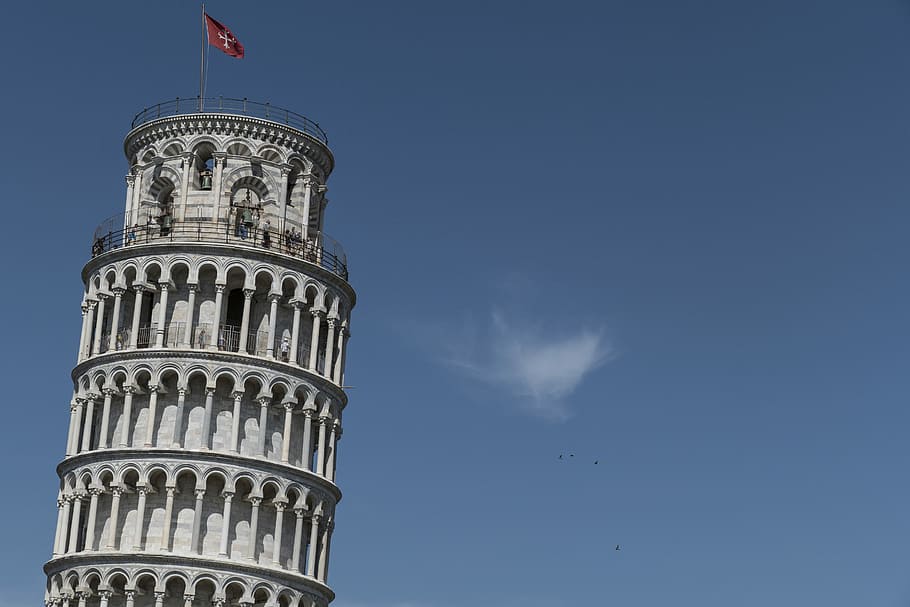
595	462
617	546
560	456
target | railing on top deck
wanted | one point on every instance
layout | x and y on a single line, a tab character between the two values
228	105
317	248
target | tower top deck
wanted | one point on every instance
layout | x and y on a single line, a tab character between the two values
180	106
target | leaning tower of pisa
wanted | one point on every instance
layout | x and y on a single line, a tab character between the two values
208	389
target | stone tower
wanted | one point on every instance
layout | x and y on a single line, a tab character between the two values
208	391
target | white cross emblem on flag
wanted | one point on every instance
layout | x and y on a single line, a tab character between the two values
228	39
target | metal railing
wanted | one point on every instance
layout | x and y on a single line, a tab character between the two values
228	105
317	248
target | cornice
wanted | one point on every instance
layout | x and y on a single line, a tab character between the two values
219	356
157	454
258	254
230	125
224	566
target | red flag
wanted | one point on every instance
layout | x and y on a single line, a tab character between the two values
223	38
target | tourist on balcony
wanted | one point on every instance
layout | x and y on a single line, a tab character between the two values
284	348
131	234
266	237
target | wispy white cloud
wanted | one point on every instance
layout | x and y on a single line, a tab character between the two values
540	366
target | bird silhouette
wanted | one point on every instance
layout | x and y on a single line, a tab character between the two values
560	456
571	455
617	546
595	462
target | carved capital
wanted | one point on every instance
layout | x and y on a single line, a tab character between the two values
200	493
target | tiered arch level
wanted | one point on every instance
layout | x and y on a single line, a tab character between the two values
208	392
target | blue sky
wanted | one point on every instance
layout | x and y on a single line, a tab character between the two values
666	236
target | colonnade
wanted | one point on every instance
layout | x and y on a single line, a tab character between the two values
330	350
155	586
319	432
77	530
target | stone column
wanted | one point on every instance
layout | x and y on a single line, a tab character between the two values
273	317
82	596
286	435
207	416
137	315
254	527
295	333
116	492
185	186
130	598
235	422
94	492
80	422
314	545
342	354
190	313
308	183
330	459
314	340
73	545
177	441
75	423
320	454
99	324
140	518
105	597
279	514
298	538
168	516
105	417
225	523
153	411
307	439
197	522
89	335
62	513
127	415
80	355
137	193
245	321
324	552
128	207
162	315
216	331
115	319
87	426
159	599
264	402
217	184
65	523
329	349
283	195
188	600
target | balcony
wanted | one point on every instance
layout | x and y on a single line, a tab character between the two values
316	247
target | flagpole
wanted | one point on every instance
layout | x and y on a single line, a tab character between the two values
202	60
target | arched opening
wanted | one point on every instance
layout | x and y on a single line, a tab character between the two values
232	319
203	166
